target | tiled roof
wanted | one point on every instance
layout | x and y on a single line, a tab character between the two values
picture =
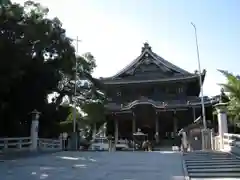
156	59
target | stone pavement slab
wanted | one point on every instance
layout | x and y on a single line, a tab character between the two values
96	166
23	154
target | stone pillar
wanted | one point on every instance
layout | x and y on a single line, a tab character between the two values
206	139
34	130
157	128
116	133
222	121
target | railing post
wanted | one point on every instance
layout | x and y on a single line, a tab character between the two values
44	145
216	143
5	144
39	143
212	139
19	144
60	142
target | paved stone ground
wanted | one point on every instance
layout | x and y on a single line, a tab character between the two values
23	154
95	166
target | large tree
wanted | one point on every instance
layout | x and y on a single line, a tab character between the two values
89	98
37	59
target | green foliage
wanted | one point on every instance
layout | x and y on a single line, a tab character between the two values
94	115
4	2
37	59
71	115
95	112
232	88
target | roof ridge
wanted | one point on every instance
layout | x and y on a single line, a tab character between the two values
147	49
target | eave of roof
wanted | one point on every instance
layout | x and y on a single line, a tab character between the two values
162	104
171	79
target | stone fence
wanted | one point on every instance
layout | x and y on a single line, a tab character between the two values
229	143
25	144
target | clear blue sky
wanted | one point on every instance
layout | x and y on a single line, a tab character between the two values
114	31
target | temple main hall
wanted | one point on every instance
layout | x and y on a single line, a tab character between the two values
153	95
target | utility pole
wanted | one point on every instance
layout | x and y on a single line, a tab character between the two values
75	138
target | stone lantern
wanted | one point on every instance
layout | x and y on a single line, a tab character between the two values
34	129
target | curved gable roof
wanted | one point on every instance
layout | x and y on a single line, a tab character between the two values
156	59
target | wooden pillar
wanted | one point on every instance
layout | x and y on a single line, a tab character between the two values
194	114
133	123
116	132
157	128
175	123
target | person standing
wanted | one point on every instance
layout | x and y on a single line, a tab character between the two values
149	146
184	142
145	145
67	142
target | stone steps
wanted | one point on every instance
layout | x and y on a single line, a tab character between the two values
203	176
212	161
214	165
202	165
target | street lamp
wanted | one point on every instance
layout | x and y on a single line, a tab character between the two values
200	79
204	132
35	115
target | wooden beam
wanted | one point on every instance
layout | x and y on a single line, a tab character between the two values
178	109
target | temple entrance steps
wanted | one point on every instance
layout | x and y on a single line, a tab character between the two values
211	165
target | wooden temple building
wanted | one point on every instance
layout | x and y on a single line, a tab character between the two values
153	95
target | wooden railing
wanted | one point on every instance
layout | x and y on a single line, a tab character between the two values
8	144
24	143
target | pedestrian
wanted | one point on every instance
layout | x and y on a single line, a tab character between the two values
184	142
145	145
149	146
67	142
